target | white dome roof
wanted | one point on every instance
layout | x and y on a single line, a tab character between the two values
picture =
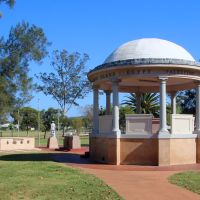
149	48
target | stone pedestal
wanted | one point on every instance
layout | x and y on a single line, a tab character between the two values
72	142
52	143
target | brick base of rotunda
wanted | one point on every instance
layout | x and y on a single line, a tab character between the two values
149	151
105	150
177	151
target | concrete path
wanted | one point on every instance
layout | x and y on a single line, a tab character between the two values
134	182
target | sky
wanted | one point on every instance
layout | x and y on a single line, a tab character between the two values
99	27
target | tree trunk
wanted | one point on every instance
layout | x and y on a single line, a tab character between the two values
27	130
63	131
45	134
18	123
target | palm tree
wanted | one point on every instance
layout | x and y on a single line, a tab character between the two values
149	103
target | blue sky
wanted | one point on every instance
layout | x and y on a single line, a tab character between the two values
98	27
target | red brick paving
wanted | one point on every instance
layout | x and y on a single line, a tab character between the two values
134	182
143	185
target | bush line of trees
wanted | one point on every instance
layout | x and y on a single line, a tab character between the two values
31	118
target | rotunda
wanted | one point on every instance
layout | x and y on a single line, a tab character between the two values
144	66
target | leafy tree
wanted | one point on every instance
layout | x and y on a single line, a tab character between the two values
88	116
47	117
15	114
187	101
68	82
87	124
50	115
123	110
6	97
11	128
102	111
77	124
10	3
29	118
24	44
149	103
65	122
4	119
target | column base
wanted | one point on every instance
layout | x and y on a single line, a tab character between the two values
164	134
116	132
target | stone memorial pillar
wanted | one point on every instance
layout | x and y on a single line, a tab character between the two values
52	141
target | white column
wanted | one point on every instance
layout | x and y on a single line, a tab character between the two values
107	102
115	112
95	110
197	130
173	102
138	102
163	110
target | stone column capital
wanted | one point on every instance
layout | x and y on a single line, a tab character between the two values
162	78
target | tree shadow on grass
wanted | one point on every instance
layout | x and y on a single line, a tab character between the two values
72	159
27	157
55	157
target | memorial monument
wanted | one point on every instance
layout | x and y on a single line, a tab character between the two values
52	141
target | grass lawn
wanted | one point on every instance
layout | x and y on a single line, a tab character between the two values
36	176
43	141
189	180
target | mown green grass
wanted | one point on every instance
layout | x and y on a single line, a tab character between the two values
37	177
43	140
189	180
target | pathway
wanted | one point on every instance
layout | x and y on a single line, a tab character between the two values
134	182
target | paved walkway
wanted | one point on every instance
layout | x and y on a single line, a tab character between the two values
134	182
143	185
